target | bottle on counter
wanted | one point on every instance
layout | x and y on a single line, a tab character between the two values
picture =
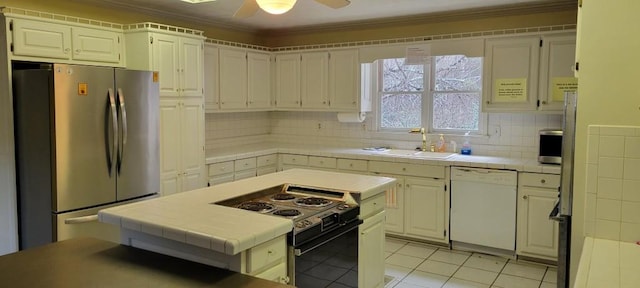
442	145
466	146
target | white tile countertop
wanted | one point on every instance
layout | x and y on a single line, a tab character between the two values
246	151
189	217
608	263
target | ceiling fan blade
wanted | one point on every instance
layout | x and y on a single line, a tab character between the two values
334	3
248	8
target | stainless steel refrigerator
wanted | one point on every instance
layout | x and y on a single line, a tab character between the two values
563	209
86	139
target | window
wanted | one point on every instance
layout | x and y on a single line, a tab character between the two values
443	94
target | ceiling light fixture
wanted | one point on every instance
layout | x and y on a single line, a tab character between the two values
276	6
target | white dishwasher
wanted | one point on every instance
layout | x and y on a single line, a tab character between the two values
483	207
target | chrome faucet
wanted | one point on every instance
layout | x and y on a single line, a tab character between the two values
424	136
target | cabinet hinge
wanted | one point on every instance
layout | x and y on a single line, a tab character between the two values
118	39
118	56
540	42
11	25
580	3
445	233
151	39
445	187
577	66
538	103
11	47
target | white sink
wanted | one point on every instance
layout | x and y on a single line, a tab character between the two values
433	155
419	154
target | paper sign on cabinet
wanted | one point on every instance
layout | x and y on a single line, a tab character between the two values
510	90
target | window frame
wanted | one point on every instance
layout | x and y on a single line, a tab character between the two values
426	103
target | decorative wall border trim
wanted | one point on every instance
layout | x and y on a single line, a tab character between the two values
58	17
499	32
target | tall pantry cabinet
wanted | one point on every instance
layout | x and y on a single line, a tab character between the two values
177	58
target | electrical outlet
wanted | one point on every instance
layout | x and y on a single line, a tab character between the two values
496	130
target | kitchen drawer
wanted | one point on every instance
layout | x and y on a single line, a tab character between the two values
245	164
266	255
266	170
244	174
420	170
295	159
372	205
539	180
219	179
220	168
351	164
322	162
267	160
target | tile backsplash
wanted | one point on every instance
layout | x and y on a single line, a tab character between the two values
613	183
513	135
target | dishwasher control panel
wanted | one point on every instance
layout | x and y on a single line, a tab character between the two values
482	175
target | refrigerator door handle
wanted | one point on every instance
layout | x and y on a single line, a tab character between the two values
123	113
82	219
114	123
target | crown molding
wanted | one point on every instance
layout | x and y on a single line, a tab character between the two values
447	16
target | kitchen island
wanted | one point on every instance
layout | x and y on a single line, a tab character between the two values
89	262
189	226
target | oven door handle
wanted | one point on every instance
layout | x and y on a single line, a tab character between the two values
315	243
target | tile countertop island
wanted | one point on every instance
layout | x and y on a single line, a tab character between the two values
189	219
495	162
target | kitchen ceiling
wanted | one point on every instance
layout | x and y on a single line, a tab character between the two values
309	13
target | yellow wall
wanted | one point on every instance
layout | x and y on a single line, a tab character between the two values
609	93
109	14
420	27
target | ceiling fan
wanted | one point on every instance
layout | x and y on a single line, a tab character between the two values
250	7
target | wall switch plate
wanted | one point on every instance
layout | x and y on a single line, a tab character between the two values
495	130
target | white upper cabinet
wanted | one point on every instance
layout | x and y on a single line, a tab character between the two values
557	65
511	73
258	80
287	81
320	81
211	86
344	80
245	80
66	43
178	59
528	73
314	80
233	79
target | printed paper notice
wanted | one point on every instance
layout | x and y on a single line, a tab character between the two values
560	85
510	90
417	55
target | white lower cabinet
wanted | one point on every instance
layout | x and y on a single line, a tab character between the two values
371	252
418	207
425	209
229	171
290	161
181	145
394	223
537	235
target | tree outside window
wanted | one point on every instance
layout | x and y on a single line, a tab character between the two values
452	103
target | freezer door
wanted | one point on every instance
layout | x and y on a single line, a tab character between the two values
138	164
84	223
84	137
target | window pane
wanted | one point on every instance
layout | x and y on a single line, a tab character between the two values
459	111
458	73
398	77
401	110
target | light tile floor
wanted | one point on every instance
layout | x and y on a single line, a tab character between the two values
418	265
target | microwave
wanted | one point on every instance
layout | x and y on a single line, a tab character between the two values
550	151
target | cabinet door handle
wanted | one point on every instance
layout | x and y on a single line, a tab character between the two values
78	51
525	197
543	181
66	50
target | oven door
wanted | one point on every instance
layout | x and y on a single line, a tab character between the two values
329	259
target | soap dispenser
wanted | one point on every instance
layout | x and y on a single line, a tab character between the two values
466	146
442	145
